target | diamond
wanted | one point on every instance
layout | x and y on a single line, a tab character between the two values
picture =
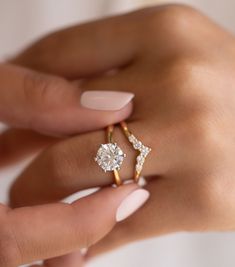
145	150
132	138
137	145
140	159
138	168
110	157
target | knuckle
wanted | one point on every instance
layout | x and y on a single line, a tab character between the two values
214	188
188	76
184	70
208	138
175	18
43	94
40	90
203	137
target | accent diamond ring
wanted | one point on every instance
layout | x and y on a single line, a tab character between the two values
110	156
137	145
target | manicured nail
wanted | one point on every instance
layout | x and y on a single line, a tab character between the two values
105	100
131	204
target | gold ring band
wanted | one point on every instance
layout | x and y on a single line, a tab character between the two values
110	156
117	178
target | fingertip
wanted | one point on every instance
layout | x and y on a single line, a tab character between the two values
131	204
125	112
105	100
91	120
113	117
74	259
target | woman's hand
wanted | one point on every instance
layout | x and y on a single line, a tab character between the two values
37	108
32	103
181	68
49	231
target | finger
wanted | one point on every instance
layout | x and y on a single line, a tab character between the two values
16	145
50	104
74	259
48	231
69	166
60	171
165	212
87	49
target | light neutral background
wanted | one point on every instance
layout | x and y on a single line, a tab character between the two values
23	21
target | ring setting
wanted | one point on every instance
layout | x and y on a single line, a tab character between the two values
110	157
137	145
144	151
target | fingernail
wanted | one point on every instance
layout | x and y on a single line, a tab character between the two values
105	100
131	204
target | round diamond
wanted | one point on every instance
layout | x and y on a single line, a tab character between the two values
145	150
138	168
110	157
140	159
137	145
132	138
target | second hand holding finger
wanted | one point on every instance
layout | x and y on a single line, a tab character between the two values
52	230
52	105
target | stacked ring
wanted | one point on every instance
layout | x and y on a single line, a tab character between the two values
137	145
110	156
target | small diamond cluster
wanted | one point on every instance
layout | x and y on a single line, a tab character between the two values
144	151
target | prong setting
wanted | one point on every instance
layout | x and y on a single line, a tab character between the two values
110	157
144	151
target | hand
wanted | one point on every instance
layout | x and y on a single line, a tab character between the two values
49	231
180	66
32	103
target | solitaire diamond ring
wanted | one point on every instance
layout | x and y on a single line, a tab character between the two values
110	156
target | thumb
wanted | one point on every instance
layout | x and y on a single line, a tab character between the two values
50	104
74	259
58	229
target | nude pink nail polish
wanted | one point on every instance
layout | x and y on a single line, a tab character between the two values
131	204
105	100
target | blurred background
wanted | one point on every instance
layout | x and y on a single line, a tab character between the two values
23	21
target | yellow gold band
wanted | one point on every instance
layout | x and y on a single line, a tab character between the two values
117	178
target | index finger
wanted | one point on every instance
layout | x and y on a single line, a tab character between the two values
52	105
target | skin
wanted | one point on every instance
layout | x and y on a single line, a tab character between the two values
180	65
41	109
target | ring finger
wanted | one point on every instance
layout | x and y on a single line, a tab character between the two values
69	166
